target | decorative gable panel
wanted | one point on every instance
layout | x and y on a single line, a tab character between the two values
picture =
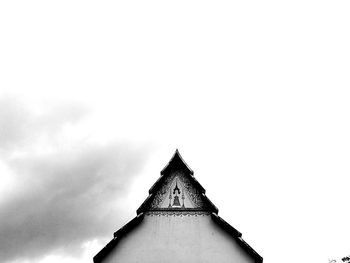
177	192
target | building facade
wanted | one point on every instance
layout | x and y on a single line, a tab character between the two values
177	223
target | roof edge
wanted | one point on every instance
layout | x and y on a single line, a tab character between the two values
141	209
237	236
230	229
213	207
136	220
177	153
117	235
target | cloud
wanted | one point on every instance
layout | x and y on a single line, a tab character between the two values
63	198
22	124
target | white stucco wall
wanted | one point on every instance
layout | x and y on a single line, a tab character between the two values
174	238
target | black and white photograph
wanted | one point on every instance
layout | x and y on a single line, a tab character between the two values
174	131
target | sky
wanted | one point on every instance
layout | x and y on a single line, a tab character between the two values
95	96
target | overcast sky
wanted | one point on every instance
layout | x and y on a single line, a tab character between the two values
95	96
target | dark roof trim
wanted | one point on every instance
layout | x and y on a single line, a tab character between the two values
176	154
215	209
249	249
117	235
144	204
137	220
237	236
226	226
162	173
131	224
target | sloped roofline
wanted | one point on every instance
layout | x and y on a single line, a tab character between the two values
234	233
140	215
117	236
176	154
237	236
162	172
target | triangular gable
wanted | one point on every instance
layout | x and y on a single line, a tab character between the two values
176	179
177	190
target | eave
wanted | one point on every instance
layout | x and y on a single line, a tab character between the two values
117	236
234	233
237	236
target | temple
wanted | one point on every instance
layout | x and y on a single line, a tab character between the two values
177	223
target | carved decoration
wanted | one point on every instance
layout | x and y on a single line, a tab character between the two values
177	184
176	213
